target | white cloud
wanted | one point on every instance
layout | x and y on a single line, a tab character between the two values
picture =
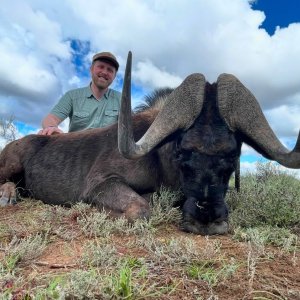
247	150
3	143
285	119
151	76
169	39
248	167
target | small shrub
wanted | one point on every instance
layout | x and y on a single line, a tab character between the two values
96	254
24	250
281	237
80	284
178	251
271	197
162	207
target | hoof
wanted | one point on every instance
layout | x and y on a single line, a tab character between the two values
136	211
8	194
4	201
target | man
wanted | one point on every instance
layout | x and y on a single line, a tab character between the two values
93	106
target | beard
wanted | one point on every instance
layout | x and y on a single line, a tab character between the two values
101	83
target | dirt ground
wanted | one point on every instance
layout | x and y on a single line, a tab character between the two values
274	274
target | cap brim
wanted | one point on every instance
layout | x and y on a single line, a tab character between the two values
109	60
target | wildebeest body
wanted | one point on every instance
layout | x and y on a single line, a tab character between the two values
82	166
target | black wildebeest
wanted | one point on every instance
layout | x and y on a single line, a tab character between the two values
193	142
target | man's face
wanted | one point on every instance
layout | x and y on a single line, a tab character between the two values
102	74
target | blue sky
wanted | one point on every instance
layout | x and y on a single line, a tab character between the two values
278	13
46	48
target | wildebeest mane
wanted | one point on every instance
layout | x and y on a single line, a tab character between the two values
154	100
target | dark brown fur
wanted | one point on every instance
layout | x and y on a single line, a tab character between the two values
87	166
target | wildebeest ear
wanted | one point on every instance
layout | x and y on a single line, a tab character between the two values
243	114
181	109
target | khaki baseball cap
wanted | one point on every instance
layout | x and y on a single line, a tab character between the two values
107	56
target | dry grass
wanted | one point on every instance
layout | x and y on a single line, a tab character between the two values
51	252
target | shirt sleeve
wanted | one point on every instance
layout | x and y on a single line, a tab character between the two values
63	109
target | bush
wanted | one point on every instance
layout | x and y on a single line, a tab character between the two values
269	197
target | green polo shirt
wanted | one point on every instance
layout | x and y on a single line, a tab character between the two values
85	111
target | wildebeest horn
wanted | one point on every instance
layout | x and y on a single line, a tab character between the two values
242	113
181	109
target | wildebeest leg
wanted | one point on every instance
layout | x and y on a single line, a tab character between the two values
8	194
118	199
10	166
148	197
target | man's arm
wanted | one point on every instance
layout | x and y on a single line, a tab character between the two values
50	125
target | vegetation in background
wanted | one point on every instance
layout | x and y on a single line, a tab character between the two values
269	197
8	131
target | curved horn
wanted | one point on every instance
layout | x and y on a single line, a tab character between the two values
181	109
241	112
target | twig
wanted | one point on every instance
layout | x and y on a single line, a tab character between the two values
54	266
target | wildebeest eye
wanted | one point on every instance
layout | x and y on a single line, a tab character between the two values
179	153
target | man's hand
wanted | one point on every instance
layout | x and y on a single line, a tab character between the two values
50	130
50	125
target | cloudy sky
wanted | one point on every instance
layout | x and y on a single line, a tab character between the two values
46	47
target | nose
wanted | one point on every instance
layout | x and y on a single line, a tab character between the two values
104	71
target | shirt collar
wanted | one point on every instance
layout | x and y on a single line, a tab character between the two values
89	92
